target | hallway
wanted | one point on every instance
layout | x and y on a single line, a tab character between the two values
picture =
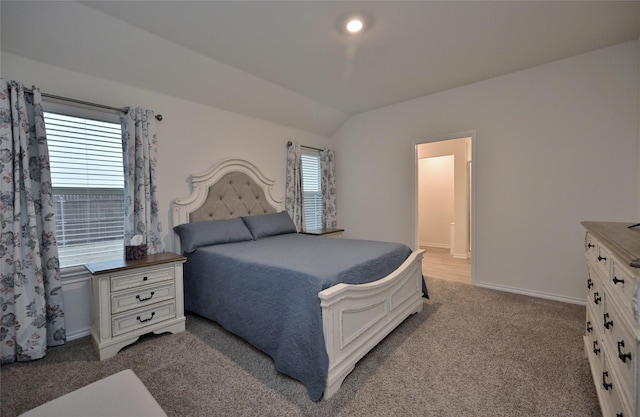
438	263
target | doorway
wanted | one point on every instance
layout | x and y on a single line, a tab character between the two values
444	196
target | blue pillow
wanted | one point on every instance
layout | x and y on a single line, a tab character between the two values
270	224
211	232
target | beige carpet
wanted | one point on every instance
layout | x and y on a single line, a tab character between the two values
471	352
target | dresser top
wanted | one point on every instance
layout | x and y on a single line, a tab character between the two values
116	265
624	242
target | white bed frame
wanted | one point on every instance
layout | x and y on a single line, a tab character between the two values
355	318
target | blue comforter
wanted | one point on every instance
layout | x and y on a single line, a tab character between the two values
266	291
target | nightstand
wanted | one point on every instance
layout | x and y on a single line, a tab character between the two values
132	298
324	232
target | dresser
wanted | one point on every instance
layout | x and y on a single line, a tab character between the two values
612	328
134	297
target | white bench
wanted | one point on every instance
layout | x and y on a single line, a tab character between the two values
118	395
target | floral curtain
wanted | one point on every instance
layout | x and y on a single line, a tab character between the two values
328	184
294	199
31	299
140	153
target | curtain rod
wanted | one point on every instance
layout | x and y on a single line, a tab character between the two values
303	146
87	103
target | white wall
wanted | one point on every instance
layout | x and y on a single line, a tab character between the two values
191	138
555	145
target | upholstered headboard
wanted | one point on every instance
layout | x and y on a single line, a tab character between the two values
233	195
231	188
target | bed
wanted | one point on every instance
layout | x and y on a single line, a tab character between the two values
316	316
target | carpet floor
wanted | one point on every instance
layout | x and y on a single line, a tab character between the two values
470	352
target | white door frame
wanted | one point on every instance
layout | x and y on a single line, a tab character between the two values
473	205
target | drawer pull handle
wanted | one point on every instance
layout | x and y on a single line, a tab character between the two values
589	284
607	323
618	281
589	327
596	297
596	349
145	278
606	385
145	299
146	320
623	356
602	258
590	245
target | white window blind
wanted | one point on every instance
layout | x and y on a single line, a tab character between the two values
88	187
312	190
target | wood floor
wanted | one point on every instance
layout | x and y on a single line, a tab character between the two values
438	263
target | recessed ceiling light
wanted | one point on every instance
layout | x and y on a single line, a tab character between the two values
354	22
354	25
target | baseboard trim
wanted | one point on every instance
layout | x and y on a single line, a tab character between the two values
78	334
435	245
531	293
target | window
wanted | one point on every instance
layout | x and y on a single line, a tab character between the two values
311	189
87	176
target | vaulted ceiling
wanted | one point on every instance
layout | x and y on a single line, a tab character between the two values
288	61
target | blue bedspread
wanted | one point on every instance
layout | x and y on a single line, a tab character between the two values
266	291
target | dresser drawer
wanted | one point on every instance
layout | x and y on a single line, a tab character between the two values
612	299
590	246
595	292
142	296
615	403
593	342
603	260
623	284
141	277
143	317
623	351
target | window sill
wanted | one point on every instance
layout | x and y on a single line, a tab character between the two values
75	273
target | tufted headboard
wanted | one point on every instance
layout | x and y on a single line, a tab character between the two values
233	195
231	188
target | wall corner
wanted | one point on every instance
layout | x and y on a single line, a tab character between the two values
638	120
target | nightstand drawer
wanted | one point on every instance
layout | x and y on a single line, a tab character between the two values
143	317
141	277
134	297
142	296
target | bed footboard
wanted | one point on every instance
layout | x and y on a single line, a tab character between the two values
355	318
